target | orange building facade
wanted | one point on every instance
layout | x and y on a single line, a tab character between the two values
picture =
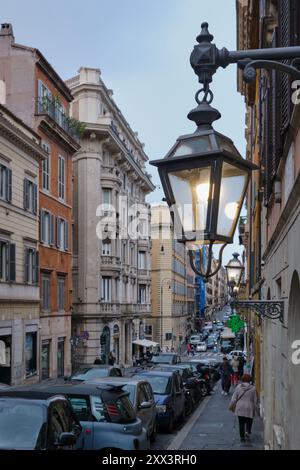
37	95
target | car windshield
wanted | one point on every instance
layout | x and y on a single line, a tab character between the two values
86	374
22	425
161	385
163	359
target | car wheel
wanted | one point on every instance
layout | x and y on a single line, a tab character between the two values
170	427
204	390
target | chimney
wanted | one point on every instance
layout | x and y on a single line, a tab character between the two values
7	30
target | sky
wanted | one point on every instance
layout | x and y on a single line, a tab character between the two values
142	48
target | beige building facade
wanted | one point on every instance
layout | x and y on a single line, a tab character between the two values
173	285
20	155
111	262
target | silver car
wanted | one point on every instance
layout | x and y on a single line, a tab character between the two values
142	398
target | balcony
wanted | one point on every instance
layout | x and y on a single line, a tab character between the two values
144	273
110	308
111	262
45	106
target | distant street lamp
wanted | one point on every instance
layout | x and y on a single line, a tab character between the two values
234	271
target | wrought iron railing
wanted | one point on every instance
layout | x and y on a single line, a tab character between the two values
46	106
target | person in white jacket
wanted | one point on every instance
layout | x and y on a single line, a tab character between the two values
245	401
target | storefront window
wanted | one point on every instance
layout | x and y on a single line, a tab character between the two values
60	357
31	353
45	359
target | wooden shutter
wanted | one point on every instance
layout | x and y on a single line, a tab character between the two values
58	240
66	235
12	262
9	185
26	194
35	267
285	39
52	229
35	191
42	225
26	265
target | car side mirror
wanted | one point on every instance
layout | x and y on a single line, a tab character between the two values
66	439
145	405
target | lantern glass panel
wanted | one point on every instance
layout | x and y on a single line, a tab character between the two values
234	270
226	144
193	146
232	188
191	191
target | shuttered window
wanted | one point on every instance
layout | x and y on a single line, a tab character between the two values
62	229
30	196
46	169
31	266
7	261
45	292
5	183
61	177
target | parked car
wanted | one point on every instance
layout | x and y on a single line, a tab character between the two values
195	339
169	396
4	386
238	353
166	358
29	421
105	413
211	342
201	347
219	326
94	372
226	347
142	398
194	386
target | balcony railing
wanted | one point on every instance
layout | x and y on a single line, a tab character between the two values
112	261
53	110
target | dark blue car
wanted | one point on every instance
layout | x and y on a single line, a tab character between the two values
169	397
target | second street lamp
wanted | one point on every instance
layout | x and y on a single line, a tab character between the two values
234	270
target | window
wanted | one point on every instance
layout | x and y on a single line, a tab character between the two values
81	407
61	177
45	359
47	227
61	357
31	266
106	289
31	353
30	196
106	199
106	248
5	183
142	294
124	180
7	261
45	292
132	189
123	252
46	169
62	234
61	293
142	260
148	330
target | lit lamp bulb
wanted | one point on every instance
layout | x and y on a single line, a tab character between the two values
230	210
202	192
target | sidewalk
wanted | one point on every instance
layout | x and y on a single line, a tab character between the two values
214	427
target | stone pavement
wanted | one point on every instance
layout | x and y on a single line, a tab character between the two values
217	428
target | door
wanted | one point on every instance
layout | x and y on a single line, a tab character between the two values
143	413
178	396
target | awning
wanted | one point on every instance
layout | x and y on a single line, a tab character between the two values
145	342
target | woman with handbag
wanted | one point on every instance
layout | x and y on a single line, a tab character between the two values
243	404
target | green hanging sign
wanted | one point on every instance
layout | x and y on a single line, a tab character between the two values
236	323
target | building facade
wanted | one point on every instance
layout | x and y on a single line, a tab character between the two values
111	262
272	230
33	91
173	283
20	156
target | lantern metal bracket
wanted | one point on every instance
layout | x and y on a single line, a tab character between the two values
208	272
206	58
272	309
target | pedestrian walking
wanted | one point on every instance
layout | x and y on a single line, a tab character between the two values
192	349
241	366
225	372
244	405
235	371
188	349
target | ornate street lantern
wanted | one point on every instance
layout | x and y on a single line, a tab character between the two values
234	270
